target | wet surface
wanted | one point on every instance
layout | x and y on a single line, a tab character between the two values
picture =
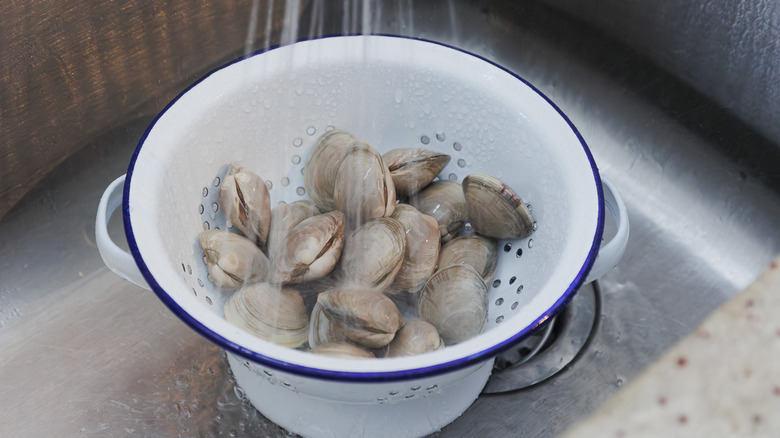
86	353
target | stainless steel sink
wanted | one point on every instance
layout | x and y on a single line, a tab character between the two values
87	353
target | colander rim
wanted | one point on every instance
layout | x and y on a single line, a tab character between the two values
372	376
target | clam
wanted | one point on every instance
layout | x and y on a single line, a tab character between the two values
310	250
244	198
415	337
412	169
364	316
232	260
445	202
364	189
283	218
422	249
373	253
343	350
471	249
494	208
319	173
455	301
270	313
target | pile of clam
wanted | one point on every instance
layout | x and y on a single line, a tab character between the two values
354	272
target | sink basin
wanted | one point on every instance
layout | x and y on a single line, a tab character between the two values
87	352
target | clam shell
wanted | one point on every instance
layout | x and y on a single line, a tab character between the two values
343	350
412	169
444	201
270	313
364	189
283	218
319	173
364	316
310	250
455	301
373	253
422	249
244	198
494	209
415	337
232	260
472	249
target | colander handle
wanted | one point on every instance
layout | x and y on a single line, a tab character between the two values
116	258
611	252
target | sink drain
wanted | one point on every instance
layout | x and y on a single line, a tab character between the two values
551	348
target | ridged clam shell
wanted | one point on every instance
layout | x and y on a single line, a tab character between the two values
283	218
232	260
422	249
364	316
472	249
373	253
444	201
319	173
310	250
244	198
455	301
494	208
412	169
271	313
415	337
343	350
364	189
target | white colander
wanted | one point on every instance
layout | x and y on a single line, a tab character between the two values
265	112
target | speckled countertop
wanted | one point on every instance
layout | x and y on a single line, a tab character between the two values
721	381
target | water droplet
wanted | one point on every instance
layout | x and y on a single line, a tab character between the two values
514	305
500	319
296	159
201	209
216	181
311	130
206	225
452	177
440	136
619	382
499	301
425	139
300	191
399	96
285	181
298	142
214	207
205	191
269	184
530	243
457	146
461	163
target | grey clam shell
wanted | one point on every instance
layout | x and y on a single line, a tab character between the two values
319	173
494	208
364	189
271	313
343	350
283	218
310	250
444	201
472	249
373	253
364	316
423	242
244	198
412	169
232	260
455	301
415	337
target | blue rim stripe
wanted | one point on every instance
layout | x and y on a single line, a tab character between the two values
388	376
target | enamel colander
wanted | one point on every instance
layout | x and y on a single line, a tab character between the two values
265	111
